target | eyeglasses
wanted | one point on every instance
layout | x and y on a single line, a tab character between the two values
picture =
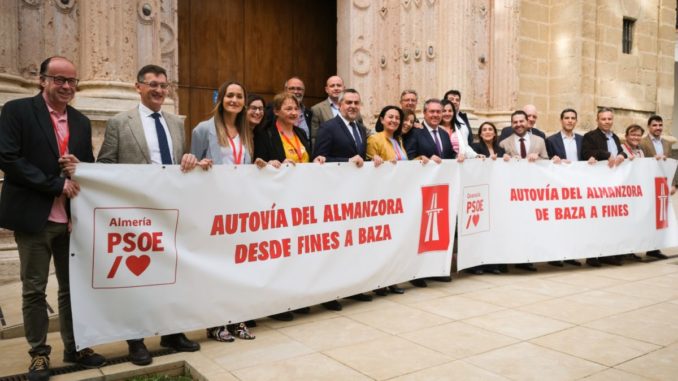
294	88
257	109
155	85
59	80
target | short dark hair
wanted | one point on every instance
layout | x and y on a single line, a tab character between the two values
452	92
562	113
604	109
634	127
655	118
155	69
518	112
255	97
346	91
431	100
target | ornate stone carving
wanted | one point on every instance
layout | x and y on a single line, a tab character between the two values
146	12
406	3
430	51
417	3
382	62
33	3
417	52
406	55
361	4
361	61
65	6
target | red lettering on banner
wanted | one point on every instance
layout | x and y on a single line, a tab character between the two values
130	222
252	222
617	191
542	214
621	210
262	251
361	209
571	193
534	194
475	206
317	242
143	242
374	234
303	216
570	213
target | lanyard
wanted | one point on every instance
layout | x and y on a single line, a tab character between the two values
237	156
396	147
296	145
62	135
630	150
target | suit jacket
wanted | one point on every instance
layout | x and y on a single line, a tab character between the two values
555	146
648	148
29	157
125	141
508	131
419	142
205	144
481	149
378	144
322	112
464	117
537	146
268	144
594	144
336	143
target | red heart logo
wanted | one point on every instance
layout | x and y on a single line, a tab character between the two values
138	265
476	217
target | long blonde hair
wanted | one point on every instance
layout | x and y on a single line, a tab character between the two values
241	123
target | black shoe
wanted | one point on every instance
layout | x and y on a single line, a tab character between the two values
179	342
39	368
251	323
396	290
381	291
656	254
419	283
573	262
503	268
302	310
593	262
526	267
556	263
138	353
613	260
283	316
361	297
442	278
333	305
85	357
475	271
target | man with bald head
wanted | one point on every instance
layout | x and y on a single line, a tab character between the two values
41	140
531	112
294	86
329	108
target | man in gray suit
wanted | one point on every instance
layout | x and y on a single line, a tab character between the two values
148	135
329	108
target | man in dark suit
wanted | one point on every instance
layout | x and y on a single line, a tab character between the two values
148	135
566	146
41	140
603	144
461	120
430	142
531	112
342	138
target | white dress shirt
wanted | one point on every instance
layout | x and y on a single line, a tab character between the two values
151	134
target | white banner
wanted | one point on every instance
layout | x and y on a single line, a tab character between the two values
157	251
520	212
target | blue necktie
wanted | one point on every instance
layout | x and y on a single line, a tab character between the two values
162	140
356	134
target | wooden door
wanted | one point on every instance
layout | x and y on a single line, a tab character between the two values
260	43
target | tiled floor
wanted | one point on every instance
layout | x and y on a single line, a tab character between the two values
612	323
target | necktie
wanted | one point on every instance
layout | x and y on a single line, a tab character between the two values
162	140
523	151
356	134
439	148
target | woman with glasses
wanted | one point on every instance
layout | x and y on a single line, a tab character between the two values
255	110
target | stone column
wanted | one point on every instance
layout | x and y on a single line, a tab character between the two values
10	80
504	61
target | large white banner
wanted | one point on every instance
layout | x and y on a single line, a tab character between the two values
517	212
157	251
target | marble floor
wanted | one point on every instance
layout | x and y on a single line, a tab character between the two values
611	323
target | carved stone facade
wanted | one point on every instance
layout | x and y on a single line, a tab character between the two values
107	41
501	54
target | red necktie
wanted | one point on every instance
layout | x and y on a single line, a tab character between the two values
523	151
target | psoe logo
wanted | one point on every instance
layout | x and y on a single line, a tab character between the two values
134	247
661	196
434	232
474	216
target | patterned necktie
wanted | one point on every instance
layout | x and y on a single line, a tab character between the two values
439	148
162	140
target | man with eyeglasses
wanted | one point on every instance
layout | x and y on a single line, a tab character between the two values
41	140
148	135
295	86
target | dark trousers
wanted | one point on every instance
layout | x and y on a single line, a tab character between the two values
36	250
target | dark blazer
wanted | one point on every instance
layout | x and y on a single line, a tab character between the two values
336	144
269	116
481	149
29	157
594	144
269	146
555	146
419	142
508	131
464	117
